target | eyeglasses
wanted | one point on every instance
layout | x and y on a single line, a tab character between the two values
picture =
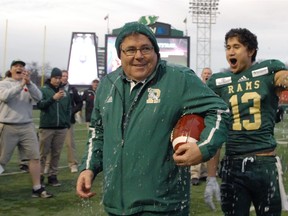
132	50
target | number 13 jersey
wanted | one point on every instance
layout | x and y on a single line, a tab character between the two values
253	101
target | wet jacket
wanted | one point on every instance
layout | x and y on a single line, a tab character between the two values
131	140
55	114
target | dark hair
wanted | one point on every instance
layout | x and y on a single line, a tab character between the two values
65	71
8	73
246	38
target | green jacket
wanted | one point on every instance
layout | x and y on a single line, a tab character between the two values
131	141
54	114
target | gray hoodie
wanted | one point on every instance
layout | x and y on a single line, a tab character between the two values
16	102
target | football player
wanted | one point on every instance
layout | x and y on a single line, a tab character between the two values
249	168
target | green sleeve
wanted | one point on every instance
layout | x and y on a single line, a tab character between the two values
215	111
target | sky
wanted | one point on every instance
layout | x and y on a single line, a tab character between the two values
41	30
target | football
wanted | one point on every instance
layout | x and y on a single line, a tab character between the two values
187	129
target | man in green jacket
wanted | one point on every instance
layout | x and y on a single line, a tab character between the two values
135	110
55	114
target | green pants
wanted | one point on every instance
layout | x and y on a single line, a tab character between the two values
247	180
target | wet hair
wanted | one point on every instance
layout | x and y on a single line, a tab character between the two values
245	37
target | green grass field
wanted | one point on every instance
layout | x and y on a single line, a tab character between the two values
15	187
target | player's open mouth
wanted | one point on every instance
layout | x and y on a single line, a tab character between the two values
19	72
233	61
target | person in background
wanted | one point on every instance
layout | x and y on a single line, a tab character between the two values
250	170
206	74
199	171
88	98
212	188
55	113
135	111
24	161
76	106
17	93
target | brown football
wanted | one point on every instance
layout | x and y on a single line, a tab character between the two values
187	129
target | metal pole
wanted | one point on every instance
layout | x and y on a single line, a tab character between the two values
5	50
43	57
204	15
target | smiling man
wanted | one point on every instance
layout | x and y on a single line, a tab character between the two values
17	95
249	169
135	110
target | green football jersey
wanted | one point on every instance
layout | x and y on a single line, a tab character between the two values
252	99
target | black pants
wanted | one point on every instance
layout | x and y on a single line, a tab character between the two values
247	180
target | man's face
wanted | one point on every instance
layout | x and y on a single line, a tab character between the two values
237	55
55	81
94	85
206	74
139	66
64	78
17	71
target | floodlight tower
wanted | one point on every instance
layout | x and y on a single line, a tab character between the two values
204	15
